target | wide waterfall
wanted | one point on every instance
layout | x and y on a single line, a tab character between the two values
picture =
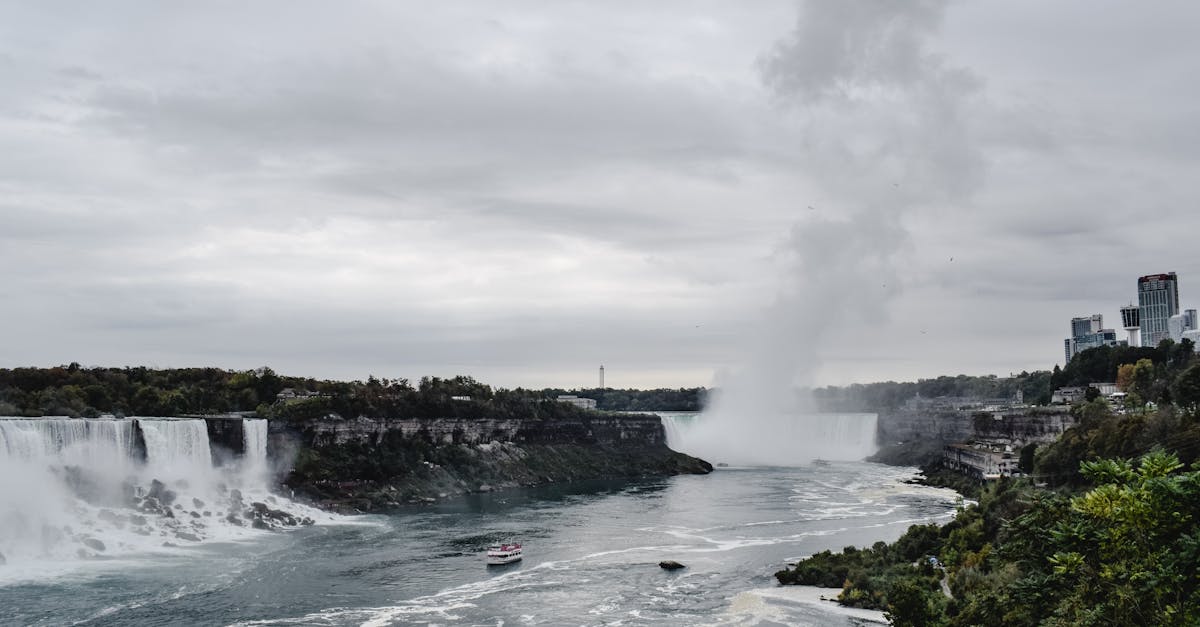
73	490
98	443
778	439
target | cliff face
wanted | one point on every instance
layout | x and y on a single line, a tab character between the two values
632	430
915	436
1014	426
365	463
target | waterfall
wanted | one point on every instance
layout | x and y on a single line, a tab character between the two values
775	439
177	447
254	437
675	423
74	489
81	442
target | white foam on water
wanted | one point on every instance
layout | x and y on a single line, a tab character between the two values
441	605
74	496
753	607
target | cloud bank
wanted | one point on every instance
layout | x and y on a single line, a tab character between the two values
524	192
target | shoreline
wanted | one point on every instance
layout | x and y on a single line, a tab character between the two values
813	596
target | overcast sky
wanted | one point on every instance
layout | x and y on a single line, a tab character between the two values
522	191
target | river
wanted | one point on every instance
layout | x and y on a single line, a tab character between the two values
591	558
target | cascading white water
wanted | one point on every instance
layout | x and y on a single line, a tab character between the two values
90	442
75	489
775	440
254	437
177	447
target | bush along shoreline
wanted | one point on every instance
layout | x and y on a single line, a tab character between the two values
1124	552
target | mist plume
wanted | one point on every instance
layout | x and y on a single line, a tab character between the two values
883	122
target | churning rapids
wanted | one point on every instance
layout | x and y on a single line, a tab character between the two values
592	549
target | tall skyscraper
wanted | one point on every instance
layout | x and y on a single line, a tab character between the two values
1158	300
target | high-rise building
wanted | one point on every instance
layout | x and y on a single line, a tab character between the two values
1177	326
1130	321
1086	324
1087	332
1158	300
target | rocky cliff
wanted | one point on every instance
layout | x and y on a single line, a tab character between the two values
369	463
915	435
1015	426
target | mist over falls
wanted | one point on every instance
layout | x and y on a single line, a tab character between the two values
772	439
83	489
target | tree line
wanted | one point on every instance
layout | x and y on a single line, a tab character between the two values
76	391
1036	388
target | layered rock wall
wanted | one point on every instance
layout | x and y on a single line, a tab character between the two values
632	430
1015	426
367	463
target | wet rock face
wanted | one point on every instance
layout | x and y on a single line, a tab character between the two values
263	517
159	491
93	544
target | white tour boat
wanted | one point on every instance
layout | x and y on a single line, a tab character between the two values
498	554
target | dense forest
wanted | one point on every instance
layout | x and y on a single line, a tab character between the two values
1104	532
660	399
889	395
76	391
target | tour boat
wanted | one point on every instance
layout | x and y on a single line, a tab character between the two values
499	554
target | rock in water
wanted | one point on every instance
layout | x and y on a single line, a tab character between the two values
670	565
94	544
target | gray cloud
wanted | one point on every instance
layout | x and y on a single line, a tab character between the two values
524	192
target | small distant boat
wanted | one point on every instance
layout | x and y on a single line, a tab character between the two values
820	462
500	554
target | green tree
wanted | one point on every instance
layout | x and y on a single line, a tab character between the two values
1129	553
1143	379
1186	389
913	605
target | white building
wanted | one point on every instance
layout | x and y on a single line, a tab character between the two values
578	401
1131	322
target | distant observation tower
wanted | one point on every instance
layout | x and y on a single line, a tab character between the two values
601	376
1131	319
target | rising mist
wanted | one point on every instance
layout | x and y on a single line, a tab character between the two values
884	125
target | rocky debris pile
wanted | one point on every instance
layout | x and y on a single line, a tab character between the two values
174	513
263	517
